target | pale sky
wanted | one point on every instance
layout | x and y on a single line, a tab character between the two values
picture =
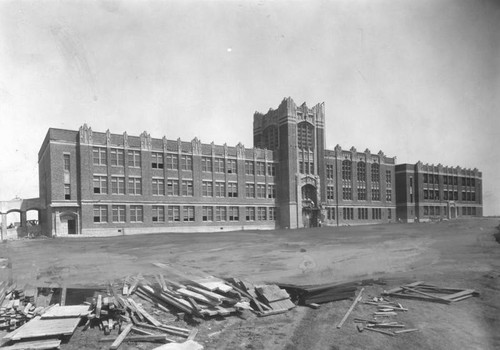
419	80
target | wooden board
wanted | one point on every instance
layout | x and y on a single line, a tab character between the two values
272	293
44	328
282	305
35	345
66	311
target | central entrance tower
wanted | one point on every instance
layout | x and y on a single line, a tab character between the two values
296	133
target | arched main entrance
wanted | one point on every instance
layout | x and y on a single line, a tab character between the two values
310	210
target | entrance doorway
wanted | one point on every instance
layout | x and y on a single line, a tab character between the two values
68	225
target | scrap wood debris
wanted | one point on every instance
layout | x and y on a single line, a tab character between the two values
422	291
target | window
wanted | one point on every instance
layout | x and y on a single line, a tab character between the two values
376	213
100	184
207	189
158	187
250	190
473	197
473	183
134	159
220	213
208	214
362	191
219	165
346	170
99	156
455	180
464	196
388	177
220	189
250	213
100	213
172	187
272	213
305	133
187	188
249	167
330	190
117	185
445	195
174	213
271	169
260	191
172	161
455	195
232	189
375	172
464	211
118	213
389	213
329	171
66	162
231	166
388	195
261	213
330	213
463	181
135	186
206	164
426	211
186	162
67	191
157	160
260	168
271	191
158	214
426	194
136	213
117	157
346	192
375	191
363	213
436	195
361	171
188	213
348	213
233	214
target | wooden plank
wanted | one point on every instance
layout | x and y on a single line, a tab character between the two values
409	296
380	331
272	293
197	296
358	298
144	313
98	306
464	297
459	294
141	331
63	296
48	327
35	345
67	311
399	289
423	293
192	335
407	330
121	337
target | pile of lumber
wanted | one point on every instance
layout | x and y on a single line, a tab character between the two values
422	291
17	306
265	300
317	294
324	293
385	307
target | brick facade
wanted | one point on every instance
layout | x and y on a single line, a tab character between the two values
99	183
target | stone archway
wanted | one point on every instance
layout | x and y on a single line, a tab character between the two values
310	210
452	211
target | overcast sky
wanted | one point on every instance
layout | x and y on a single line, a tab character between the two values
419	80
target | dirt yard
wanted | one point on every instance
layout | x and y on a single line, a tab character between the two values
462	253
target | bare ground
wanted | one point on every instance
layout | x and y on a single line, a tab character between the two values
462	253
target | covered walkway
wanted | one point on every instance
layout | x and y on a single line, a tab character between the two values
22	206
